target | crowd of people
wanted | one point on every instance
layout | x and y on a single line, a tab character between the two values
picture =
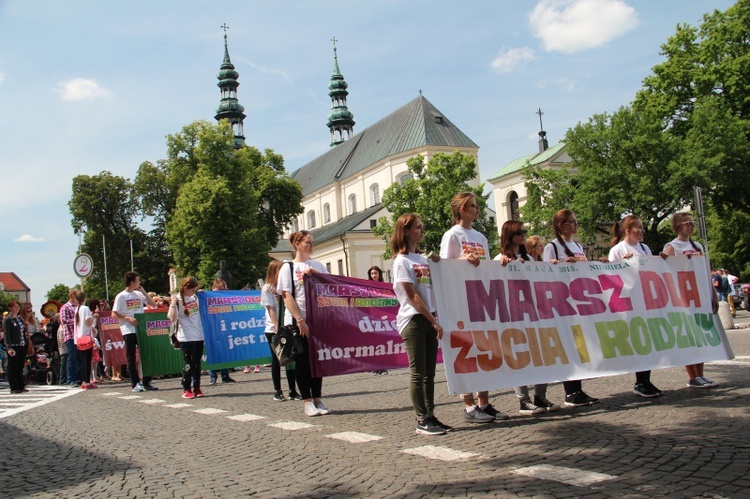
283	298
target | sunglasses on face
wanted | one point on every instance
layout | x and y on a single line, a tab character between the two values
574	223
690	224
521	232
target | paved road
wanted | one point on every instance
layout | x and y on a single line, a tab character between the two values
238	442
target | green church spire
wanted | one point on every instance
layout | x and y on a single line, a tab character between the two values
341	120
229	107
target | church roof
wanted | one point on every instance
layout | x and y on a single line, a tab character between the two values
414	125
333	230
532	159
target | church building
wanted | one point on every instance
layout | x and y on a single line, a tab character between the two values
342	187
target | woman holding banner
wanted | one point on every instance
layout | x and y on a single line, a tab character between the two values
416	320
683	225
270	300
185	310
513	248
291	286
463	242
564	249
627	242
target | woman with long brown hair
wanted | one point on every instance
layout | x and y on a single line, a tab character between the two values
291	277
513	248
416	320
683	225
564	249
463	242
627	242
270	300
185	309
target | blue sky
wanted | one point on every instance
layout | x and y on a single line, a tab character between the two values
87	86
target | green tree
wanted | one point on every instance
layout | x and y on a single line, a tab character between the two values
428	193
701	94
104	208
5	298
232	204
58	292
618	159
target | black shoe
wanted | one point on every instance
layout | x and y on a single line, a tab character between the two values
441	424
643	390
490	410
543	402
279	397
528	409
150	387
227	380
578	399
295	396
652	387
428	427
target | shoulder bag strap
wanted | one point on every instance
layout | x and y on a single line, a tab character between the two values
282	308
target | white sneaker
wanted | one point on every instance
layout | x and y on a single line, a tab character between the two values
321	408
311	410
138	387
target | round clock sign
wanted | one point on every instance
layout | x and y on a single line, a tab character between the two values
83	265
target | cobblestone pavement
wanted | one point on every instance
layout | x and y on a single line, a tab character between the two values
238	442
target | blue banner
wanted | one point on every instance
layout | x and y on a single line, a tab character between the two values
234	328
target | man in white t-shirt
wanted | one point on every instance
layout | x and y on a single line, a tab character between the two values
129	302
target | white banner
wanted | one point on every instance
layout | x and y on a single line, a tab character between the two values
535	322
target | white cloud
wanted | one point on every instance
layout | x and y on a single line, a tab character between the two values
511	59
267	70
570	26
81	89
27	238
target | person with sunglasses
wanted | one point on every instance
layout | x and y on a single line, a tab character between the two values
683	225
463	242
627	242
513	248
564	249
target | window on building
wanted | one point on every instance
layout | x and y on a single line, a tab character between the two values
352	204
513	211
404	177
311	219
374	194
295	225
373	223
341	267
328	267
326	213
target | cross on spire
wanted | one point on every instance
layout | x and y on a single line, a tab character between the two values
334	41
540	113
224	27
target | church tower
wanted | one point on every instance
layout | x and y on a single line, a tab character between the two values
229	107
341	120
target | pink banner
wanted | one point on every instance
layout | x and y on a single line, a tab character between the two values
353	326
111	340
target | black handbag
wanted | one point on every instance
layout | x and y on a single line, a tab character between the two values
287	342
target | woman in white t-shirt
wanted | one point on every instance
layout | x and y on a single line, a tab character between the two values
270	300
463	242
683	225
185	309
513	248
84	326
564	249
416	320
302	246
627	242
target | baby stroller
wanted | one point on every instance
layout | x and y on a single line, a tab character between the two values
39	366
